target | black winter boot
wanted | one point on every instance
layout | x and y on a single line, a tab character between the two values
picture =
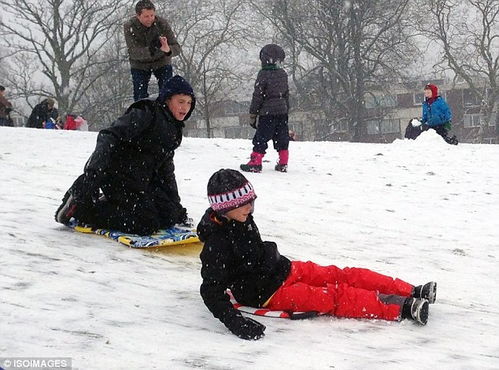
251	168
416	309
66	210
281	167
451	140
427	291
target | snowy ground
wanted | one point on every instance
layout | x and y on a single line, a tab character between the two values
420	211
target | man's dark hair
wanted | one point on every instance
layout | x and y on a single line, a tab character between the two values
2	88
144	4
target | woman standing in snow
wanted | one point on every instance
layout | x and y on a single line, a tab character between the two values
235	257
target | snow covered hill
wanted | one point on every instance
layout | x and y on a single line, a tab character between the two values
419	210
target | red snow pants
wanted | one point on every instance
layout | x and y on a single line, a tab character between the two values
348	292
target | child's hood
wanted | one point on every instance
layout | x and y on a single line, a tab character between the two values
211	223
208	225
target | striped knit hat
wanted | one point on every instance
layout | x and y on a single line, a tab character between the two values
229	189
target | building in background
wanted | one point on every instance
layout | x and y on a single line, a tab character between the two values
387	116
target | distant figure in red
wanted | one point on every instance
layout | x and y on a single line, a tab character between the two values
74	122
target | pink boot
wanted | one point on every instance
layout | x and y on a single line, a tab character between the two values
282	165
255	163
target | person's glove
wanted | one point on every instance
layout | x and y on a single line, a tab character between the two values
246	328
8	110
253	122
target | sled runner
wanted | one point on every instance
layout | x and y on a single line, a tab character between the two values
270	313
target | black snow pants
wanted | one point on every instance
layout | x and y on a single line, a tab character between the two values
120	208
273	127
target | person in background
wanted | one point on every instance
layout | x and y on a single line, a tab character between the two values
151	45
43	112
129	183
5	109
436	115
81	123
75	122
269	110
235	257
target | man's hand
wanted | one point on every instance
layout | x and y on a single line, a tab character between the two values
164	44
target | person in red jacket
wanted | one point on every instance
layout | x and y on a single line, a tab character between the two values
235	257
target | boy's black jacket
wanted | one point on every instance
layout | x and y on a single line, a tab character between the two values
235	257
139	147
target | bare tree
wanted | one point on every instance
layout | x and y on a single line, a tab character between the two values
61	39
111	93
468	31
212	35
341	48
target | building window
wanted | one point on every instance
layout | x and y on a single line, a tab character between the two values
17	121
472	120
390	126
471	100
384	126
417	98
493	119
489	140
234	109
372	127
381	101
341	126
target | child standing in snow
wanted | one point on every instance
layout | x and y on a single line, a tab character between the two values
436	116
270	104
235	257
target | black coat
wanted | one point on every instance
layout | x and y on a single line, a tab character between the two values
271	94
137	150
235	257
40	114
